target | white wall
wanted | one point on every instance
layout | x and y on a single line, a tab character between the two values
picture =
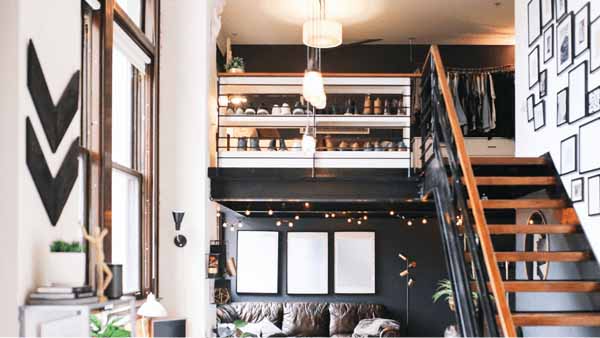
547	139
55	28
186	93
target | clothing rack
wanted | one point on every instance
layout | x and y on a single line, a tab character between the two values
497	69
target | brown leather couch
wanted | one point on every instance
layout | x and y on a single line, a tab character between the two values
306	319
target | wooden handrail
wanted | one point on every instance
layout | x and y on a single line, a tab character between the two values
496	285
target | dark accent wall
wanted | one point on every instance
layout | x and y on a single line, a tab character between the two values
420	242
370	58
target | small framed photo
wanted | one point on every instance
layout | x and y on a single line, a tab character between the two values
534	66
212	265
534	20
561	8
578	90
562	107
549	43
530	107
582	30
577	190
547	12
564	43
588	146
568	155
594	101
543	83
539	115
595	44
594	195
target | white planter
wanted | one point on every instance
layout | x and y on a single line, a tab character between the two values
65	268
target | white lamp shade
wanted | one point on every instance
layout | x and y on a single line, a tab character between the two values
322	33
152	308
320	102
309	144
313	89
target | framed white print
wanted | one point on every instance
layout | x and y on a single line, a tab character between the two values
568	155
594	195
307	263
562	107
547	12
539	115
548	43
534	20
577	190
578	92
354	268
595	45
258	262
530	107
564	43
582	30
589	133
534	67
561	8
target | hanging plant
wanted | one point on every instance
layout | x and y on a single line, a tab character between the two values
236	65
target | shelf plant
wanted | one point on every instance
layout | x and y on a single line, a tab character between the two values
65	264
236	65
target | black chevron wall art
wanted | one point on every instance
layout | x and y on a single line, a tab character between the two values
55	118
54	191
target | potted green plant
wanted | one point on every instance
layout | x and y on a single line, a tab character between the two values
65	264
444	290
111	329
236	65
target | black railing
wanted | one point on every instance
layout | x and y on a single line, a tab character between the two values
443	180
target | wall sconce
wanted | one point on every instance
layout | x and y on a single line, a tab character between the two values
409	265
180	240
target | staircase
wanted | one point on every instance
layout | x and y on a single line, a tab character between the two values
470	190
512	184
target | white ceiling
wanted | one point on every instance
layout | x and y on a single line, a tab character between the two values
429	21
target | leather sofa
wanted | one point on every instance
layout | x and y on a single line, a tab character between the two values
306	319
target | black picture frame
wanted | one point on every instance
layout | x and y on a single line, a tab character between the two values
548	38
561	46
581	181
592	152
560	14
589	189
560	120
551	17
530	107
535	53
585	12
539	122
575	155
543	83
595	52
593	101
572	97
531	11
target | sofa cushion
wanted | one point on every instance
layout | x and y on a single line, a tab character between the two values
251	312
345	316
305	319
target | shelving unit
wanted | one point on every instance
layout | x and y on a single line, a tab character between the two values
355	129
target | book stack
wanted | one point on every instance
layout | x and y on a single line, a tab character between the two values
62	295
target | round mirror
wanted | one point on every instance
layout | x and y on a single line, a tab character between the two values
536	243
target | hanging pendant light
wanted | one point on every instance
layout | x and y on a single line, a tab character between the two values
318	32
312	86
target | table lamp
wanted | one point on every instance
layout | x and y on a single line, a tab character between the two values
151	309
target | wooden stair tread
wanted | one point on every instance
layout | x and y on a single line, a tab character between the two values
502	229
556	318
550	256
517	161
522	204
515	180
552	286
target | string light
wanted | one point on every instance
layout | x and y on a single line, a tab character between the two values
232	228
240	224
424	221
224	224
270	212
306	205
349	220
297	217
247	212
365	217
291	224
278	223
359	222
392	212
409	223
326	215
332	215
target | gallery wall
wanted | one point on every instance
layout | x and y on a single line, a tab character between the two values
548	136
420	242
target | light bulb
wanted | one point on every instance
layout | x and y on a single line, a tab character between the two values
312	86
240	224
332	215
349	220
296	217
224	225
365	217
232	228
247	212
424	221
359	222
270	212
278	223
306	205
392	212
409	223
291	224
326	215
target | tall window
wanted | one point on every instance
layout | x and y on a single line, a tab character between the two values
119	115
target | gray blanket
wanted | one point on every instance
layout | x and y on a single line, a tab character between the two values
374	327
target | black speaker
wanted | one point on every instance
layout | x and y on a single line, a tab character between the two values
115	288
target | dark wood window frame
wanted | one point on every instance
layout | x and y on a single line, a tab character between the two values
96	125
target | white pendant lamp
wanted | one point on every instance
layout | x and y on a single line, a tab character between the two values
312	86
321	33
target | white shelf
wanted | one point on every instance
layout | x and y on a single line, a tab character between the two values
322	159
366	121
328	81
